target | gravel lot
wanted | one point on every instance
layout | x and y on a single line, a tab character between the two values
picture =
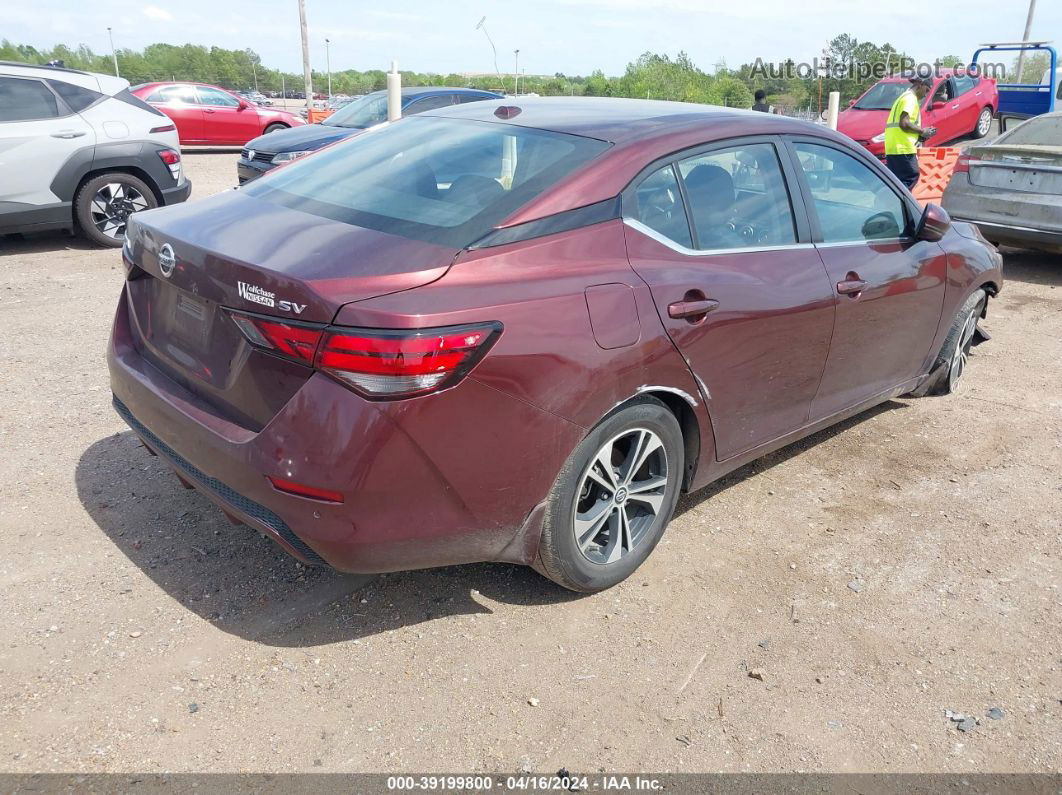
902	564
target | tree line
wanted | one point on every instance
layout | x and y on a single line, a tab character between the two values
650	76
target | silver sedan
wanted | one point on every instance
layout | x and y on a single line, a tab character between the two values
1011	188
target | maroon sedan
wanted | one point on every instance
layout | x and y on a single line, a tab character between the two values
210	115
500	333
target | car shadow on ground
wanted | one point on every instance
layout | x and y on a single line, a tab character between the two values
245	585
43	242
1033	267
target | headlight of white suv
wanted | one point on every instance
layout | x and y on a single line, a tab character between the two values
287	157
878	139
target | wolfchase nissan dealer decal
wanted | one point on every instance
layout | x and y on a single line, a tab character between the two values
259	295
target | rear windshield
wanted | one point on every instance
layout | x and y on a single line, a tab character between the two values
446	181
881	96
1044	131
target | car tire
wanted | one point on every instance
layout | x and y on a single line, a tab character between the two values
103	204
275	128
601	524
951	361
984	123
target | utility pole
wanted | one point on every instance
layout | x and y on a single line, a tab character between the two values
114	54
516	74
1028	31
328	64
307	78
254	71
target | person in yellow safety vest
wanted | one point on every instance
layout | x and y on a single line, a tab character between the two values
903	133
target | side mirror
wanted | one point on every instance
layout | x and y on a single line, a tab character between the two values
244	104
851	102
937	105
934	224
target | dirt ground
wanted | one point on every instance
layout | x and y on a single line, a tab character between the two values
902	564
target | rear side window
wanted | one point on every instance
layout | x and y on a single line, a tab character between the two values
1041	131
852	202
26	100
660	207
446	181
76	97
129	98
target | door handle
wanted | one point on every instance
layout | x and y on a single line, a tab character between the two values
692	308
207	110
953	107
851	285
68	134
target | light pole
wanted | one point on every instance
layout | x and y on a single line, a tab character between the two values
481	25
516	74
328	65
114	54
1028	29
307	78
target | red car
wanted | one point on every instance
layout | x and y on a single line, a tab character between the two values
516	333
211	115
959	105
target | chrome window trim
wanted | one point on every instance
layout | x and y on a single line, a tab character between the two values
693	252
865	242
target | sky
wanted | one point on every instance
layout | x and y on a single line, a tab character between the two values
570	36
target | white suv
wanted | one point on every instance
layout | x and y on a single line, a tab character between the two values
78	151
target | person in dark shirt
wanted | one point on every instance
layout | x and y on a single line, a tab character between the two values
761	102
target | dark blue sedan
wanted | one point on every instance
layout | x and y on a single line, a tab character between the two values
267	151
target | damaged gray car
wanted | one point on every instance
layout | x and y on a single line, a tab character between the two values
1011	188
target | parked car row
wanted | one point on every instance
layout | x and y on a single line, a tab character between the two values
283	146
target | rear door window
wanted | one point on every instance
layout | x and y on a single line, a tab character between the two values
429	103
26	100
76	97
179	94
738	198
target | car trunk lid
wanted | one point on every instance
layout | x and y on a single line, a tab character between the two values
1024	169
193	263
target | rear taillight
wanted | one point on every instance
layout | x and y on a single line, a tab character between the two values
164	128
172	160
294	341
377	364
962	165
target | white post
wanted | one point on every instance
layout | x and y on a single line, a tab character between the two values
307	78
831	112
1021	53
328	65
394	93
516	74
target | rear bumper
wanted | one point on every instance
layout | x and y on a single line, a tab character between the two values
1011	217
178	193
432	481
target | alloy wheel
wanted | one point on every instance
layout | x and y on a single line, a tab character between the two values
112	205
962	347
984	122
620	496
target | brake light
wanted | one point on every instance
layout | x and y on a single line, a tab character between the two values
962	165
172	160
389	364
294	341
375	363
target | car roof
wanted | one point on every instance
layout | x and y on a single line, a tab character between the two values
618	120
108	84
